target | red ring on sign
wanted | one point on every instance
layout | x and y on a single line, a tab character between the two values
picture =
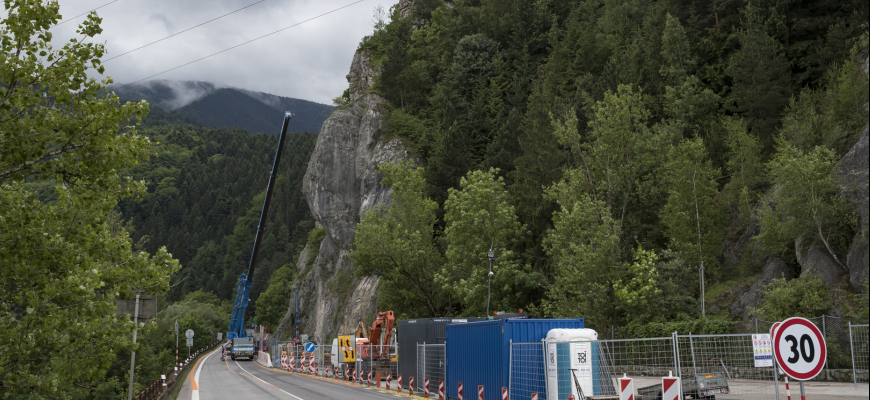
823	354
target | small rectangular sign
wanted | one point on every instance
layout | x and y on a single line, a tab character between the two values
761	349
189	342
347	348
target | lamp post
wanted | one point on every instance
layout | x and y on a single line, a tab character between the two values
489	256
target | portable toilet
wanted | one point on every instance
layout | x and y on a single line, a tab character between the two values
571	360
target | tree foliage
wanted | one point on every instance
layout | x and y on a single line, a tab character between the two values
64	261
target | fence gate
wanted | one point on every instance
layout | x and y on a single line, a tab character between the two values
858	346
432	364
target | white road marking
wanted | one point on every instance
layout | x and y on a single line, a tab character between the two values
194	394
252	376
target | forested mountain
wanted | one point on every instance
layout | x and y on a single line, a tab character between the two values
624	143
205	192
207	105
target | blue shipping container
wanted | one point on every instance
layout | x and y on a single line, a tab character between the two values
478	353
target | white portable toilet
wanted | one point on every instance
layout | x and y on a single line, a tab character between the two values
333	351
567	350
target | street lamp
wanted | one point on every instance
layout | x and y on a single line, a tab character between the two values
489	256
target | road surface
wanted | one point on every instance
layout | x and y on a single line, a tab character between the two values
237	380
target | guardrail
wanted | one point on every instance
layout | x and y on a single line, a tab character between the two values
160	389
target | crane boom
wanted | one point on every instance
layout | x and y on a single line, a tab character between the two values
243	291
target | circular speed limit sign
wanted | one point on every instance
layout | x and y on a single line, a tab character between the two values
799	348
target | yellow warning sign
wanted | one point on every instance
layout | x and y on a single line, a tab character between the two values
347	348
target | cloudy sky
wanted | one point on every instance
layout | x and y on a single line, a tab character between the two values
308	61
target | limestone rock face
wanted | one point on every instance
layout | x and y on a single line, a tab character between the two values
340	184
773	269
855	179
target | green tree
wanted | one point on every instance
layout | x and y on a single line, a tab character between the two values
273	302
694	215
611	154
584	245
397	244
806	203
638	287
64	264
806	296
759	72
480	218
745	167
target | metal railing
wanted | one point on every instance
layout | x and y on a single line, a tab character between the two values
160	388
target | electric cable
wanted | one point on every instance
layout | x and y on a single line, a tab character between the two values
84	13
178	33
244	43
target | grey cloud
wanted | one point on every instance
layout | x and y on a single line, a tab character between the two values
308	62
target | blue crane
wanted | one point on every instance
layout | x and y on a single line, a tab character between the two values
243	291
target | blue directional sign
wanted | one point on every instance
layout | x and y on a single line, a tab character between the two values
309	347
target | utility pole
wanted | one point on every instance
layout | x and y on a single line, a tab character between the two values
703	305
490	256
296	316
133	353
176	345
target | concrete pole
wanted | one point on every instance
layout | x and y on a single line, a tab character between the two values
133	353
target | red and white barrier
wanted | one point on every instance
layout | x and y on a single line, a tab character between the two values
399	383
411	386
480	393
389	381
626	388
346	373
460	391
534	396
284	363
370	378
504	395
426	388
671	388
354	375
787	391
440	389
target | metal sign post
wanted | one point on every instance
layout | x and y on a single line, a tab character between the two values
189	335
176	343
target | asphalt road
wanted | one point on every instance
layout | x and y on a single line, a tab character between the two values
243	379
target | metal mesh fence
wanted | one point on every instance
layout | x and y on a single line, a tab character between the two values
727	359
527	371
377	359
858	346
432	365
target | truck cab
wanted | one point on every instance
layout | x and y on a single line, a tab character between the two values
242	347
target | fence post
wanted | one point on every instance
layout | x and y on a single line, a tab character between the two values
756	324
424	375
852	350
825	334
692	348
510	369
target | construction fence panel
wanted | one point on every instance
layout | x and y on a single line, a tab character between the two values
432	365
377	359
724	357
528	372
858	346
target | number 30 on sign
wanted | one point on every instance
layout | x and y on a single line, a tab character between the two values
799	348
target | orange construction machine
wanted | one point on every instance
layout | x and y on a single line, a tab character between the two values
380	347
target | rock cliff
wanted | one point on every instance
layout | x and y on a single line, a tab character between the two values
341	183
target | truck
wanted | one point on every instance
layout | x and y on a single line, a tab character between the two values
241	347
239	340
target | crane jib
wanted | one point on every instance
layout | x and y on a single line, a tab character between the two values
237	320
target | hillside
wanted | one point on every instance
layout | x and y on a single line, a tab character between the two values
205	104
604	151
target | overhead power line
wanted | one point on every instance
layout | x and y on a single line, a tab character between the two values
244	43
178	33
84	13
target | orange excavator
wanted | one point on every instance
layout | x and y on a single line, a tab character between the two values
380	345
